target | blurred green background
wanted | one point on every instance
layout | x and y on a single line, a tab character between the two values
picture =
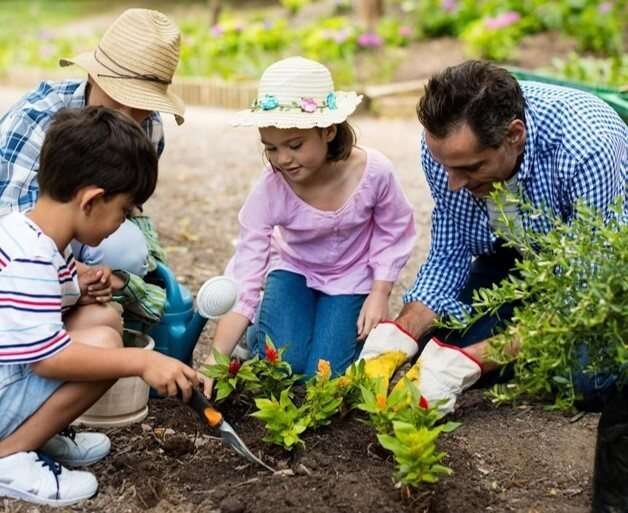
362	41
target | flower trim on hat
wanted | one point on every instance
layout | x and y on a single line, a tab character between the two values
310	105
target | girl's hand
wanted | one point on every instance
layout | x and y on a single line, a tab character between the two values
374	310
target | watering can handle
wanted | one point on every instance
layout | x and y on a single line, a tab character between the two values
173	292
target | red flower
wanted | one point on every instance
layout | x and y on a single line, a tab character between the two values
272	355
234	366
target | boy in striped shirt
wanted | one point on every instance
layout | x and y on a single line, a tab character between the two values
60	342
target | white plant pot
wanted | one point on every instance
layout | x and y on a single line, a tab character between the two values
126	402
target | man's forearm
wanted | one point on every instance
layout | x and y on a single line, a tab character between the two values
416	319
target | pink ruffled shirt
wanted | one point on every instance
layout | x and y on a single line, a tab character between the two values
338	252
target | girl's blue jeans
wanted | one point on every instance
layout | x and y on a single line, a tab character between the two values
307	323
489	269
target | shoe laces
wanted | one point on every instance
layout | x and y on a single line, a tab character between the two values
52	465
70	433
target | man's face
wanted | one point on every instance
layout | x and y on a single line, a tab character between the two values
472	167
97	97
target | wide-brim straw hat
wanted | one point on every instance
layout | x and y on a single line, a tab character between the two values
135	61
298	93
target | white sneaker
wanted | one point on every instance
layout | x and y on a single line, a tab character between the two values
34	477
77	449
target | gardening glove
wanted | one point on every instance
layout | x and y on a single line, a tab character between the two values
386	348
442	373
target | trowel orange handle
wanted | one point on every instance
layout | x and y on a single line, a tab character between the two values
212	416
201	405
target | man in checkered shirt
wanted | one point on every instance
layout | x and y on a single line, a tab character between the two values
550	144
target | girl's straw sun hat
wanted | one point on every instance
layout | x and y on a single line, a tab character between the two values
298	93
135	61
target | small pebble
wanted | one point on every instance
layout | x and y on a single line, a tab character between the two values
284	473
302	470
231	505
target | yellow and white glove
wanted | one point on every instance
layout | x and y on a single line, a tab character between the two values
442	373
386	348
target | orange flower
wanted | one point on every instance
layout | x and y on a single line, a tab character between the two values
343	381
324	369
272	355
381	401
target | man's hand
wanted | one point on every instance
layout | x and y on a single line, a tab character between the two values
374	310
441	374
168	376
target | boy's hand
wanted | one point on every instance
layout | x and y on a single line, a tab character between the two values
168	376
374	310
207	382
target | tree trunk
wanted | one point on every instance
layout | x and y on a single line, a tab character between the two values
369	12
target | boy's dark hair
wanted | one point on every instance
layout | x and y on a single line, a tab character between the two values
96	146
479	93
340	147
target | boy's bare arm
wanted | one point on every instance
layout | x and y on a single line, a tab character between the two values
81	362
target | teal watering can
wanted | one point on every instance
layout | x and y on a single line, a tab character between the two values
181	324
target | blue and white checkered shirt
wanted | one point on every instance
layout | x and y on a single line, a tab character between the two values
22	132
575	148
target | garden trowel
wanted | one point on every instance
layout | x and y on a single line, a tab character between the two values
214	419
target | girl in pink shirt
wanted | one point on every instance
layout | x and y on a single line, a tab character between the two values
324	233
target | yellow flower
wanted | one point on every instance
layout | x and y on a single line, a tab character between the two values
324	369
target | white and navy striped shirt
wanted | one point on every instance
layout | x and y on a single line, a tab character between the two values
37	284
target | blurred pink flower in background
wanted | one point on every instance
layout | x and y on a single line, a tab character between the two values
449	5
405	31
217	31
503	20
605	7
340	36
370	40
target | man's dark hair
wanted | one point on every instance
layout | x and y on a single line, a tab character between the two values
340	147
96	146
479	93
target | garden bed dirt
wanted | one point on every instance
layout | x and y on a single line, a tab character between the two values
510	459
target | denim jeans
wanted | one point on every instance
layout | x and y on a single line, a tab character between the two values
309	324
489	269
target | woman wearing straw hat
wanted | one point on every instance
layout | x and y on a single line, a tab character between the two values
325	232
130	70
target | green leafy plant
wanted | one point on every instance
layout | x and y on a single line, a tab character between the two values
294	6
572	293
494	38
323	396
274	375
283	420
415	453
611	72
231	376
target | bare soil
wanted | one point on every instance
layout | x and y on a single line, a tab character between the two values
510	459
